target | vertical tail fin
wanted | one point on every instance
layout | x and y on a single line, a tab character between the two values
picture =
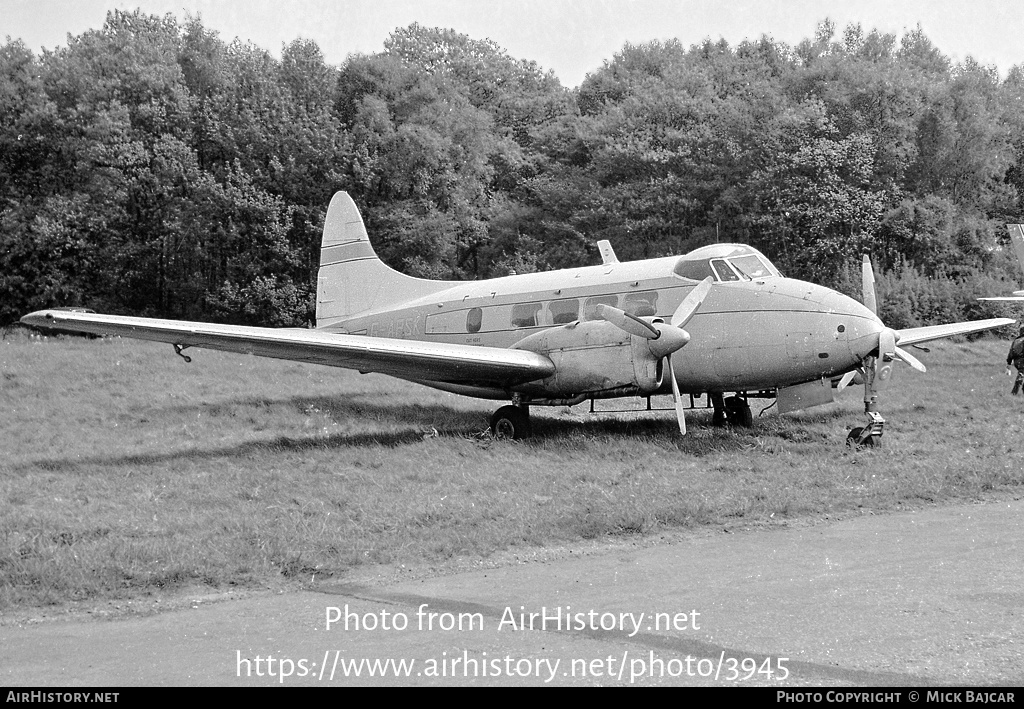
352	279
1017	239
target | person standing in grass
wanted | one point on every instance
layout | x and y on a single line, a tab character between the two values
1016	358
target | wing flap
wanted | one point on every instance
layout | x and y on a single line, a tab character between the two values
913	335
437	361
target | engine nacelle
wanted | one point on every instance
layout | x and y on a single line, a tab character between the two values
592	357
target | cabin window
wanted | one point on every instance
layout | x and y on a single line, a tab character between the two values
564	311
525	315
447	323
694	270
723	271
590	309
474	319
643	304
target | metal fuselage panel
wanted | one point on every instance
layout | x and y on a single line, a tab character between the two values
747	335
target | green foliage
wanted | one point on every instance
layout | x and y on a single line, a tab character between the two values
149	167
267	301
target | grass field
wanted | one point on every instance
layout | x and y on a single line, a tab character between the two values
125	471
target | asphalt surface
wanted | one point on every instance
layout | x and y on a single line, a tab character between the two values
913	599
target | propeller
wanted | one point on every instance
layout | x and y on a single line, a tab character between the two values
665	338
886	354
630	323
848	378
910	359
686	310
878	369
867	285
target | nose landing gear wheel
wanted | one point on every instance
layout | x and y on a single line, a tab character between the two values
869	436
511	422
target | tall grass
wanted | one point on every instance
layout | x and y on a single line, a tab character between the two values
124	470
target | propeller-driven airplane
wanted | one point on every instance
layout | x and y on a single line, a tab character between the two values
719	320
1017	239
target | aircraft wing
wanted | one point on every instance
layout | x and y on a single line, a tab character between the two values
436	361
1014	298
913	335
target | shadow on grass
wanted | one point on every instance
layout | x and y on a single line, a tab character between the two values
453	420
250	448
354	406
417	421
459	421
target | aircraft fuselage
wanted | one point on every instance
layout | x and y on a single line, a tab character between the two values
753	334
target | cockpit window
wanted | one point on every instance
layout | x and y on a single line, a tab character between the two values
722	270
750	266
696	270
725	262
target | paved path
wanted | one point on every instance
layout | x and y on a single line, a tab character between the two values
919	598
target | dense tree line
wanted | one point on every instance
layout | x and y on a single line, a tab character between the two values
151	168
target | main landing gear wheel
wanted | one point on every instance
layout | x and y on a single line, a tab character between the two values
737	412
511	422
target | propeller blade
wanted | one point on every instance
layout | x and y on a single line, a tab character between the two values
677	397
846	380
630	323
691	302
910	359
886	354
867	285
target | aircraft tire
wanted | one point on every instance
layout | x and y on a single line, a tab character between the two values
854	435
511	422
738	412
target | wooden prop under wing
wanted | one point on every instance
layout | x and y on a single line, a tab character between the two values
436	361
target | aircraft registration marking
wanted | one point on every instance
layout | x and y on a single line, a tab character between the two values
400	327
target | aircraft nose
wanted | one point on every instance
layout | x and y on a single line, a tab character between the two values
855	323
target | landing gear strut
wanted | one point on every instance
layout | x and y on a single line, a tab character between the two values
870	436
511	422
